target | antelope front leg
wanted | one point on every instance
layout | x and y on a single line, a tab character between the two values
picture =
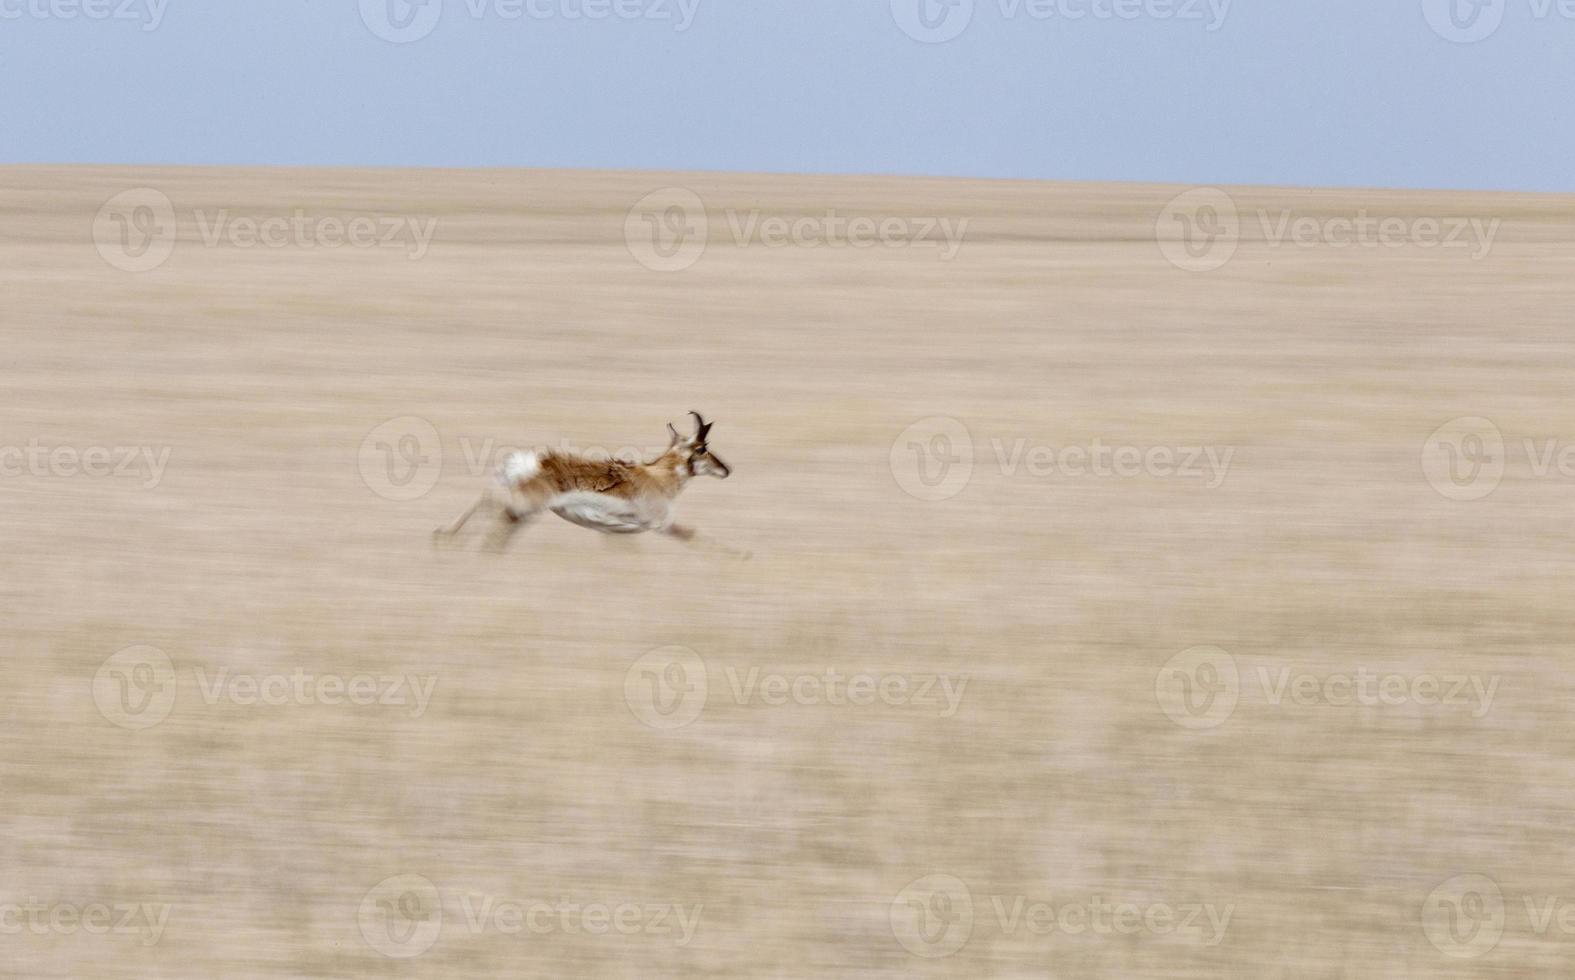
687	535
448	532
510	521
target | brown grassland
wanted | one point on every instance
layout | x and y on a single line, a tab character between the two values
268	545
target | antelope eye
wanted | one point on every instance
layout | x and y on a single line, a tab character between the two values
699	450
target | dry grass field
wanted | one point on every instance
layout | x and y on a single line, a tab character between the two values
1220	661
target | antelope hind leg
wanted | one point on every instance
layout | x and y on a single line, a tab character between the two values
510	521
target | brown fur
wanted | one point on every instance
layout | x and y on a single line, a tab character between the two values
563	473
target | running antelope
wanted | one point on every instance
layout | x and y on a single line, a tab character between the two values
609	496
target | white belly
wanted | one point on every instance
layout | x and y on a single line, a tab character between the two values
608	514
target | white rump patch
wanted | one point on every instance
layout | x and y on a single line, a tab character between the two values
518	467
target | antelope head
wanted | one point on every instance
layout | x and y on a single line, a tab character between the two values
694	456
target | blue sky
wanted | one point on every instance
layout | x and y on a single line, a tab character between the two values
1401	93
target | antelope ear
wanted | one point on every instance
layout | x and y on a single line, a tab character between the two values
675	435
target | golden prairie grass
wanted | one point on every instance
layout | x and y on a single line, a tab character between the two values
268	548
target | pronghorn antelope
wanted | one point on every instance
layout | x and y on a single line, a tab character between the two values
610	496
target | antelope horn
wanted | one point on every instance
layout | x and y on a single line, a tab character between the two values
701	426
